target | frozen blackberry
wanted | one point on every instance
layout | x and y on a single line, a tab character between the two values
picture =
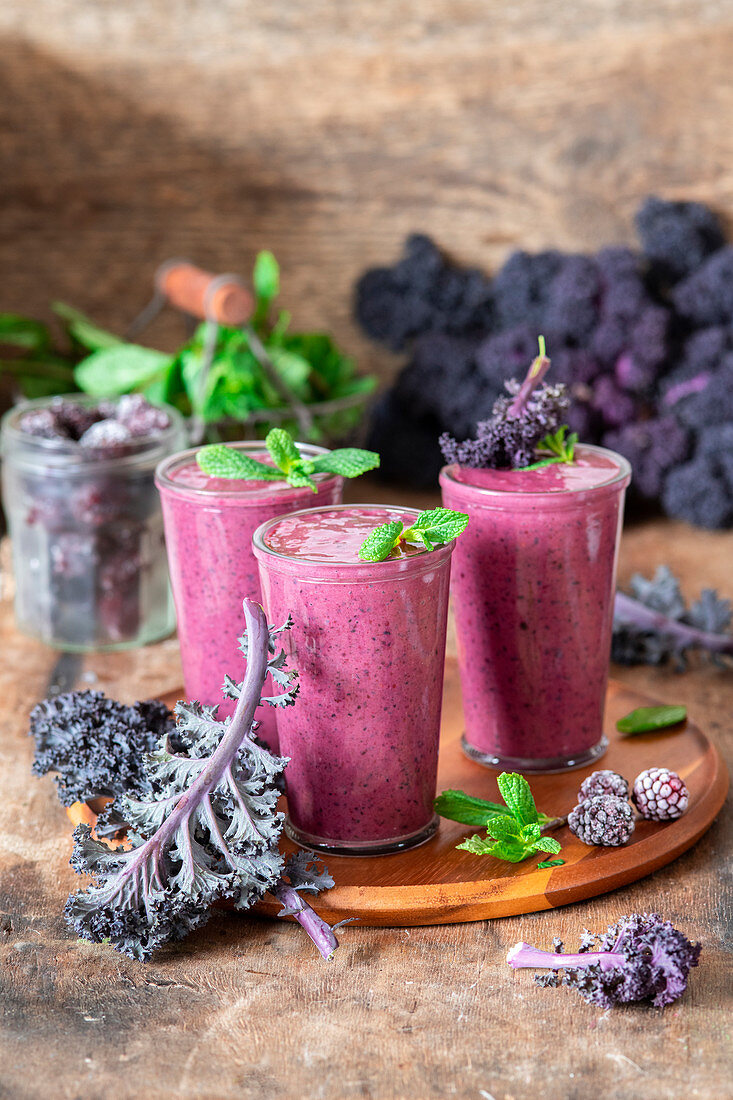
660	795
603	782
139	416
603	819
105	434
41	423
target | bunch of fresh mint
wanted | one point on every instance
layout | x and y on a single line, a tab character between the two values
235	387
513	831
218	460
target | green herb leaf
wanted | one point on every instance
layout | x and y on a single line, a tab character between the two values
217	460
348	462
516	793
644	719
380	542
504	827
437	526
459	806
84	331
551	863
561	448
23	332
282	449
119	369
547	844
266	276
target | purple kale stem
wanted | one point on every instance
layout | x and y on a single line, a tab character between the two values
535	374
684	389
523	954
320	932
628	611
239	727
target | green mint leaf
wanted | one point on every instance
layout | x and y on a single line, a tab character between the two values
644	719
530	832
282	449
504	827
348	462
459	806
218	460
513	851
119	369
23	332
551	863
547	844
562	448
515	791
266	276
437	526
477	845
380	542
299	476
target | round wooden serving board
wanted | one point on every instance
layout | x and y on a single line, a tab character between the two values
436	884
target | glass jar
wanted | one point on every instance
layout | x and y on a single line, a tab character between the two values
87	535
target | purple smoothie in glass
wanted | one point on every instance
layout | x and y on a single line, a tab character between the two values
533	584
209	524
368	641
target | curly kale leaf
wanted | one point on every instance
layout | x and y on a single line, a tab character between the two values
653	625
95	744
206	829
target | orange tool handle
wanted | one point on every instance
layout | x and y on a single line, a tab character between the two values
220	298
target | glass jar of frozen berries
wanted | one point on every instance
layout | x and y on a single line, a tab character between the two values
85	521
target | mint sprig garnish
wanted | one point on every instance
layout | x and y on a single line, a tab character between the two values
561	449
513	832
644	719
220	460
430	529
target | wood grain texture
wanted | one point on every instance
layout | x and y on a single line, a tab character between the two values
135	132
245	1008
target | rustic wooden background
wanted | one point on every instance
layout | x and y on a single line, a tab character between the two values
328	130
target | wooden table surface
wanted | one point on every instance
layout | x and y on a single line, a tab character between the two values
245	1008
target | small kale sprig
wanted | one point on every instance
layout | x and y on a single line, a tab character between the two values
430	529
219	460
520	423
206	829
513	831
654	624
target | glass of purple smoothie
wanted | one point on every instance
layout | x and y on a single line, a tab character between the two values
209	524
368	641
533	586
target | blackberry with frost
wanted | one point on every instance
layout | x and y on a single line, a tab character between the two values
603	819
641	958
603	782
660	795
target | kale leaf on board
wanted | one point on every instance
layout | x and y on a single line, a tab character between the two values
207	828
95	744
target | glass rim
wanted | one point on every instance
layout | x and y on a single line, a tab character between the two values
415	562
623	474
66	454
164	481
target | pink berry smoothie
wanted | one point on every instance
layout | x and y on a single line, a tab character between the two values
368	641
209	524
533	583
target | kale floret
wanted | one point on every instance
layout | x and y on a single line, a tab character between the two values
706	296
206	829
95	744
653	447
641	958
677	236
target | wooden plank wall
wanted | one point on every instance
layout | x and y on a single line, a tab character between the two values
328	130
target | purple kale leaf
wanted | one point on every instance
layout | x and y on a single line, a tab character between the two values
641	958
654	625
207	829
95	744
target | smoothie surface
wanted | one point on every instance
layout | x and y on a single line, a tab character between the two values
334	535
589	471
